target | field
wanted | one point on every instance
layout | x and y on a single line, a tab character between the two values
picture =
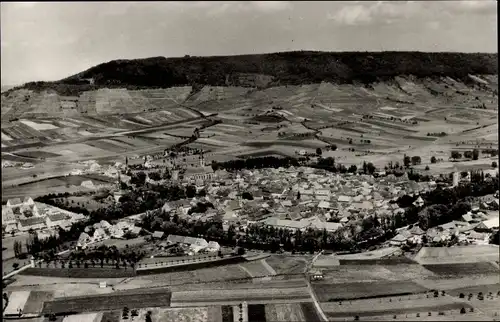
479	268
459	254
393	306
284	265
357	290
282	312
381	122
138	299
235	295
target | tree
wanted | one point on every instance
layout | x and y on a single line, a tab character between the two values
247	195
190	191
475	154
494	164
15	266
352	169
433	159
455	155
427	168
148	316
318	151
468	154
406	161
415	160
370	168
138	178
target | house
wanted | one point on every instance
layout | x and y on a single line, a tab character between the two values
488	225
8	216
324	205
213	246
158	235
328	226
419	202
135	231
400	238
57	220
286	224
28	201
31	223
14	202
467	218
99	234
83	240
344	199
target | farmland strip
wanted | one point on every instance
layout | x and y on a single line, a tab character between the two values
257	313
402	310
227	313
310	313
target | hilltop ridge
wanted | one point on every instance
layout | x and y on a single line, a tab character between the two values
274	69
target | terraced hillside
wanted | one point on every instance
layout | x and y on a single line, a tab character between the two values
443	106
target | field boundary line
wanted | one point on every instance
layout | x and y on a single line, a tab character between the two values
268	267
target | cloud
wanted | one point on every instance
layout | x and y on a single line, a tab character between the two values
218	8
271	6
357	13
352	15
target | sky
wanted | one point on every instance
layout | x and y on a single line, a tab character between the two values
53	40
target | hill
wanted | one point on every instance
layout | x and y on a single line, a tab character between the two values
264	70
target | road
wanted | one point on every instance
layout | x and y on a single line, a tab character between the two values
311	290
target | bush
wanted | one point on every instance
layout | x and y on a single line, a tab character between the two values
462	310
462	295
494	164
427	168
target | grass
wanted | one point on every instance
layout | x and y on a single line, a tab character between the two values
37	154
91	272
481	268
485	289
310	313
113	301
287	265
360	290
257	313
111	316
397	311
35	302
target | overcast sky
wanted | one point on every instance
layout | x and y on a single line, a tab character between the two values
50	41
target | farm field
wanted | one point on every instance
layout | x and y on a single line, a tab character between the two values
152	298
283	312
234	295
412	304
459	254
287	265
465	269
357	290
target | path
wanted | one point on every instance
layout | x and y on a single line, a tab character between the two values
311	290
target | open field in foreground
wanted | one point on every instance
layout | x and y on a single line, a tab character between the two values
138	299
422	303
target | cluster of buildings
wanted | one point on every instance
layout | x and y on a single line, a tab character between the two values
26	215
104	230
474	228
294	198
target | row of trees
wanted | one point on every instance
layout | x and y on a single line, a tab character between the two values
257	163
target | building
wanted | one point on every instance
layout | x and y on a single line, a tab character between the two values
57	220
213	246
31	223
158	235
